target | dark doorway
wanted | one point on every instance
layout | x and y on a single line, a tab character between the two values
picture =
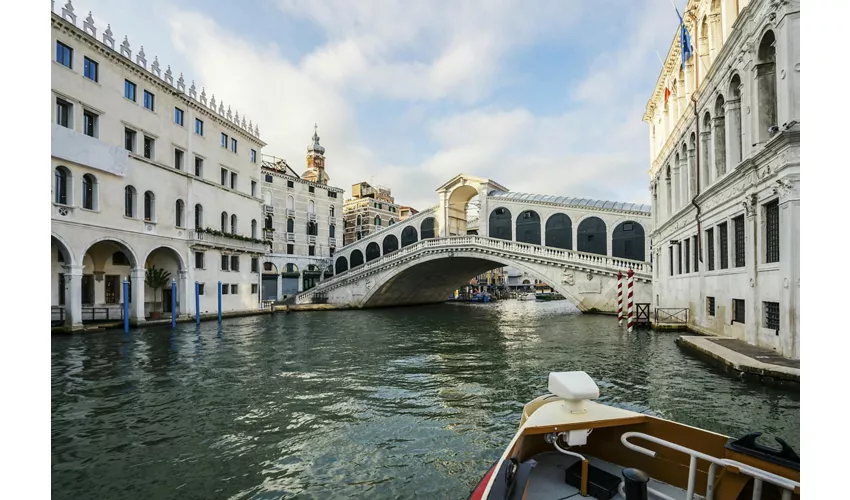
88	289
112	284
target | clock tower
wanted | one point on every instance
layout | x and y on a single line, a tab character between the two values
316	161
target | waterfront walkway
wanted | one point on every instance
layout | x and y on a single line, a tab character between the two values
748	361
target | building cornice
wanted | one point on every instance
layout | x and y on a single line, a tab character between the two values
277	173
502	201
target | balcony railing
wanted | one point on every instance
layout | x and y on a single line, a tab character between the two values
290	236
332	241
311	239
311	217
268	209
268	234
230	242
290	212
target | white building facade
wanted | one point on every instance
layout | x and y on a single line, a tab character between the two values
145	173
303	219
725	174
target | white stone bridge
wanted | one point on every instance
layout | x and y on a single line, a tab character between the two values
577	246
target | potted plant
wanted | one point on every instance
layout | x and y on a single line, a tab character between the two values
156	278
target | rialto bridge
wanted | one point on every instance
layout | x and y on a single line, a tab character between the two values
577	246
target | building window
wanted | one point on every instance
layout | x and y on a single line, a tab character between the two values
223	140
130	202
199	217
255	264
64	113
89	124
771	219
738	315
233	178
254	289
178	116
253	156
679	258
232	144
149	148
130	140
234	289
331	251
724	245
200	288
178	213
234	262
740	249
696	254
254	189
311	189
199	167
331	194
130	90
709	305
64	54
378	220
89	191
269	178
60	188
233	226
225	263
225	289
687	256
671	257
254	228
269	222
290	184
290	249
199	126
199	260
332	231
331	211
224	222
771	316
178	159
149	100
311	250
224	177
709	241
89	69
150	206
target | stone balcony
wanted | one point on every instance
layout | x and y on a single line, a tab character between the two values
227	242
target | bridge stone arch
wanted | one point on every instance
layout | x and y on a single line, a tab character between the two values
390	244
409	236
528	227
428	229
373	251
592	236
356	258
500	222
455	196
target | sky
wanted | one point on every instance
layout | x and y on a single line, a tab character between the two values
542	97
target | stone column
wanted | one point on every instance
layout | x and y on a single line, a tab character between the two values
751	230
685	197
483	213
184	303
705	160
137	305
716	35
74	297
733	134
692	174
789	265
677	189
719	128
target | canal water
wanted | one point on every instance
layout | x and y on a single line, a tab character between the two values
393	403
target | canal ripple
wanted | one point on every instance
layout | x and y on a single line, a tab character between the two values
394	403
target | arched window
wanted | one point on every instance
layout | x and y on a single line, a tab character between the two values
408	236
719	137
233	225
254	228
311	207
150	206
528	227
89	192
312	229
199	216
627	241
559	231
332	231
705	151
592	236
61	177
269	223
428	229
373	251
224	222
178	213
392	221
358	220
129	201
290	203
766	86
500	224
668	180
378	220
390	244
331	211
290	225
736	139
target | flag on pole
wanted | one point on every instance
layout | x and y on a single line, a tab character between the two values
684	38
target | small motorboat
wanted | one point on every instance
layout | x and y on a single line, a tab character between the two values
527	296
569	446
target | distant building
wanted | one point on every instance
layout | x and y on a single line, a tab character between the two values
726	183
368	209
301	215
405	212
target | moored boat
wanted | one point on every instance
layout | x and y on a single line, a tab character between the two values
569	446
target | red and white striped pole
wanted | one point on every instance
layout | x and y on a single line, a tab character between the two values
631	299
619	298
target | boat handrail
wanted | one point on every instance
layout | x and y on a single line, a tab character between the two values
788	486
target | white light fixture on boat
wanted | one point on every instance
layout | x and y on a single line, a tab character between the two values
574	388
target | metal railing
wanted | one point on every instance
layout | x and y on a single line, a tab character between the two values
290	236
759	476
269	209
671	316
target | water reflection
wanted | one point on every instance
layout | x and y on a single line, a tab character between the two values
356	403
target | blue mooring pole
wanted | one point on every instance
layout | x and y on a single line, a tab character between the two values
197	303
126	306
173	304
219	302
